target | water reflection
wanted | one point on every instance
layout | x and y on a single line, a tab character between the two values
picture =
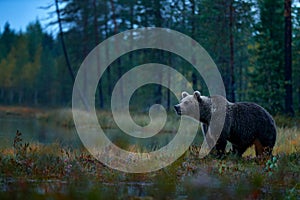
37	131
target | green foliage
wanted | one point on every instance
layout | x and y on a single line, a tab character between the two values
296	57
7	40
286	121
271	165
34	71
23	66
267	78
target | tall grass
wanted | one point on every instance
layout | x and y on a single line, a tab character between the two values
51	171
288	142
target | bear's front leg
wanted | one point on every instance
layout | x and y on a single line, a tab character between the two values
220	147
238	151
218	150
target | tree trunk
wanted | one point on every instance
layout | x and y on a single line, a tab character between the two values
193	34
36	102
20	99
169	82
85	43
1	94
158	23
109	89
71	72
288	58
231	44
119	61
98	61
299	99
11	96
63	42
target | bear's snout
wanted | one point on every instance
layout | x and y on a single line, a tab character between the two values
177	109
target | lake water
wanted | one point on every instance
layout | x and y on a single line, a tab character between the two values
37	131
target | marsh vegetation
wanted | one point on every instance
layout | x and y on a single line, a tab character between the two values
34	169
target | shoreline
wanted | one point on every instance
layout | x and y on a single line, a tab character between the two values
21	111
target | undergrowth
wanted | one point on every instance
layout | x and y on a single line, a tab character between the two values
34	171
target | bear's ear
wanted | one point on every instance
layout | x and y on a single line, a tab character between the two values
184	94
197	95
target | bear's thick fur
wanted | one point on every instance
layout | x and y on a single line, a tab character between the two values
245	123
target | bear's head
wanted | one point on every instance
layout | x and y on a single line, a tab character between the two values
189	105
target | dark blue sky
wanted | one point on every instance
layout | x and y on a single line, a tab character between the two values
19	13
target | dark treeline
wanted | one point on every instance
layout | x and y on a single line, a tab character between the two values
247	39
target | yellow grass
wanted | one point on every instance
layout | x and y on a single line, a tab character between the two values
288	141
41	149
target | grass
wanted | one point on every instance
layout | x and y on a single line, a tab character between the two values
288	142
49	171
37	171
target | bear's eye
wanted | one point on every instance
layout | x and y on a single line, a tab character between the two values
186	102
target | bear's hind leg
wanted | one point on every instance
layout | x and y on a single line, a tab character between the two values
265	143
259	149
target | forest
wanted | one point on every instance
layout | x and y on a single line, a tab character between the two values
44	153
254	43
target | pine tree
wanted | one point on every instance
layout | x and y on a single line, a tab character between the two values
7	39
267	71
288	58
296	57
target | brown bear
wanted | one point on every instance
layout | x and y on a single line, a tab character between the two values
245	123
